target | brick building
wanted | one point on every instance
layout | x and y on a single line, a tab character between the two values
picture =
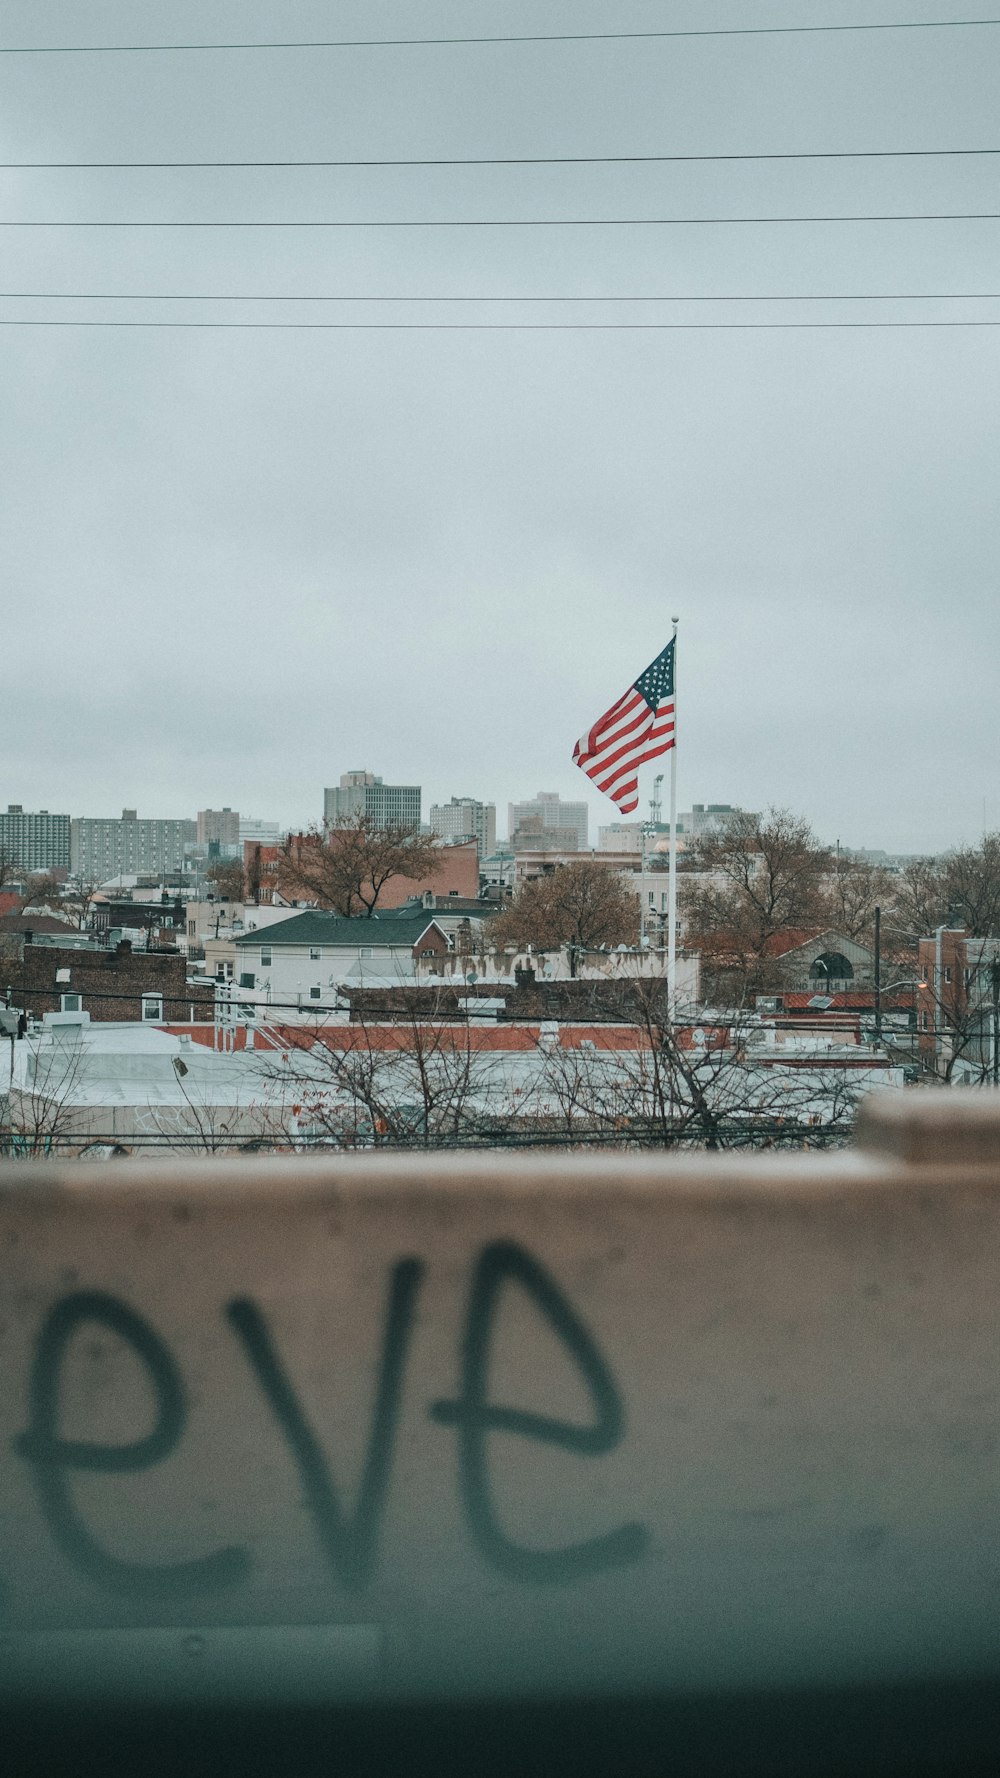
958	1006
108	984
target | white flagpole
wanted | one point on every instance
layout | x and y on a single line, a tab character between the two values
672	881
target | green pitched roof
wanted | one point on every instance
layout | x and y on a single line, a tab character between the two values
313	927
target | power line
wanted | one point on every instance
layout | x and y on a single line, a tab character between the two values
182	296
104	49
518	160
500	326
537	221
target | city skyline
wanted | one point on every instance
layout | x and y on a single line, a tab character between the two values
238	558
602	813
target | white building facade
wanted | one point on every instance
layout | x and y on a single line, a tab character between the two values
362	793
101	849
549	808
465	818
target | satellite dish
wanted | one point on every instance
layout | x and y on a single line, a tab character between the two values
471	977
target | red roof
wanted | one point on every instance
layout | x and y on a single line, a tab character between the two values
500	1038
859	1000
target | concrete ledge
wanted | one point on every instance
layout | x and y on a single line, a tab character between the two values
593	1425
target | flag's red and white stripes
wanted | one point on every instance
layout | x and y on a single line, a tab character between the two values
620	741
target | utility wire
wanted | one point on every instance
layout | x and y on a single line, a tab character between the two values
501	326
520	160
538	221
949	296
104	49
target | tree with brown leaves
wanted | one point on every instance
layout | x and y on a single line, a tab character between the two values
855	887
748	880
226	877
583	905
346	867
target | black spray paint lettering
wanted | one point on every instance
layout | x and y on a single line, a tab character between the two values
349	1544
475	1417
53	1458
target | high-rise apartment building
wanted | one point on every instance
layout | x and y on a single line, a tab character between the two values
463	818
218	827
253	827
101	849
620	836
34	842
553	813
385	805
701	816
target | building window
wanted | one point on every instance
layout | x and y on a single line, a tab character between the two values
314	993
192	929
70	1003
314	953
947	973
248	981
152	1006
924	1021
832	966
265	956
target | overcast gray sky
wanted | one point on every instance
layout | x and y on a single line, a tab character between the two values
235	564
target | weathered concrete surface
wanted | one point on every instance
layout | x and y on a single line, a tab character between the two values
513	1422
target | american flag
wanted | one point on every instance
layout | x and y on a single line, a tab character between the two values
639	727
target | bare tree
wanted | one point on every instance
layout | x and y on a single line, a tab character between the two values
711	1087
917	901
583	905
346	867
853	889
226	874
972	887
10	870
41	1115
749	879
70	901
958	1020
416	1082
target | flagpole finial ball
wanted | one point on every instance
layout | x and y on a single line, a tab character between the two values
675	620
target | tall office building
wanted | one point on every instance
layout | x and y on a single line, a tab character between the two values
463	818
701	816
553	813
218	827
34	842
101	849
254	827
361	793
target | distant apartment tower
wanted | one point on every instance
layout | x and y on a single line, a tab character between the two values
34	842
702	816
361	793
101	849
530	836
252	827
218	827
549	808
620	836
463	818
